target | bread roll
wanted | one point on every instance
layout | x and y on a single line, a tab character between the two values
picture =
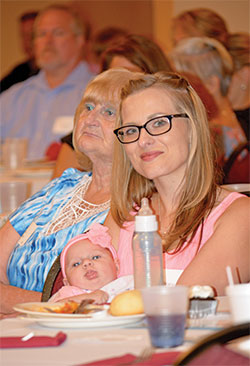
127	303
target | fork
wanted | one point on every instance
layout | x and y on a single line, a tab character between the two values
143	356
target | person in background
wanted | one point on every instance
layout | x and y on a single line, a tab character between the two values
102	40
45	103
27	68
132	52
200	22
90	266
164	152
135	53
36	233
239	90
210	61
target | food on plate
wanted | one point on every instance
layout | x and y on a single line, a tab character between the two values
201	301
69	307
127	303
60	308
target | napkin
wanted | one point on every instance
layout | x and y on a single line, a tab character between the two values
39	341
157	359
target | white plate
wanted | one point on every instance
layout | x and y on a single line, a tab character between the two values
58	320
95	322
30	309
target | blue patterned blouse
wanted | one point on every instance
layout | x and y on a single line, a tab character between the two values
33	256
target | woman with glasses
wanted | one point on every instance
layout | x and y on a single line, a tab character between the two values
163	151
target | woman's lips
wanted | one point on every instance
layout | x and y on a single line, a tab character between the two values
149	156
90	134
91	274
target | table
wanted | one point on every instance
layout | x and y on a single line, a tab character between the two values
88	345
36	174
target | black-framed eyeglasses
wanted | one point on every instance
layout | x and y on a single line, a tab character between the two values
154	127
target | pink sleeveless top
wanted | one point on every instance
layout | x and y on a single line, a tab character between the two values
180	260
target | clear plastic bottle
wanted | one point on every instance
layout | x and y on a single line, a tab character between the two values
147	249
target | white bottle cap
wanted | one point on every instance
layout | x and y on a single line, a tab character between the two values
146	223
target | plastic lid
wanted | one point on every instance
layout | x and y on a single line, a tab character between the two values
145	221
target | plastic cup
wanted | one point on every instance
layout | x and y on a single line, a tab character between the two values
239	302
12	194
166	311
14	152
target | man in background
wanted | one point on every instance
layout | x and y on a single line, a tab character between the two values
27	68
41	108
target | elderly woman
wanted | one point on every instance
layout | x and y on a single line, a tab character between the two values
164	153
37	232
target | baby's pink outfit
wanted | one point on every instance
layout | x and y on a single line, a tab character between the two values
113	288
174	264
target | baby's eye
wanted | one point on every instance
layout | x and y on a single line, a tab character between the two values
96	257
76	264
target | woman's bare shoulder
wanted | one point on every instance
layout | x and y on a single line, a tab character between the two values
238	210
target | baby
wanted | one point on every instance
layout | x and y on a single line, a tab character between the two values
90	266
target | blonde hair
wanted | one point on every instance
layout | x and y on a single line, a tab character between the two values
105	88
239	48
197	191
203	22
203	57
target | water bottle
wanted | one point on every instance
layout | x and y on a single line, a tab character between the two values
147	249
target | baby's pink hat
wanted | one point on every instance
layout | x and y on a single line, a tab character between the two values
97	234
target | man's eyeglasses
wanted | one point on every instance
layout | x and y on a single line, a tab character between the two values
154	127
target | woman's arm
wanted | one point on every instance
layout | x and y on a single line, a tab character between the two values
228	246
11	295
8	239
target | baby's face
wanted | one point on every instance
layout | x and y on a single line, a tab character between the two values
89	266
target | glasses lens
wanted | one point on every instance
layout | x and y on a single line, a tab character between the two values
158	126
128	134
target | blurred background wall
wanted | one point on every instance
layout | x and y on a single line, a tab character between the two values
147	17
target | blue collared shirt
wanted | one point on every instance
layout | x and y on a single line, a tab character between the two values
30	108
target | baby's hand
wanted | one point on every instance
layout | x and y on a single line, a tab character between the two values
98	296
